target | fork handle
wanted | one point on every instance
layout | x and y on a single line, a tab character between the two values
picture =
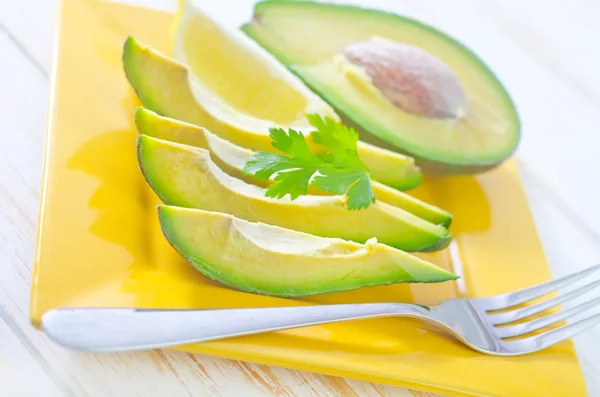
96	330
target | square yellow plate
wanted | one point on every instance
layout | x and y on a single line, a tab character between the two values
99	243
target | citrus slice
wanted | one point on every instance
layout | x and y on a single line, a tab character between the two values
236	78
244	88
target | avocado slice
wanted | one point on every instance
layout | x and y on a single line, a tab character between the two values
185	176
227	156
271	260
162	85
232	158
410	86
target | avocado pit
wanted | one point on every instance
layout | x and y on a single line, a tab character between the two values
411	78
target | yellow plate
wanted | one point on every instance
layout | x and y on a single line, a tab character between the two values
99	242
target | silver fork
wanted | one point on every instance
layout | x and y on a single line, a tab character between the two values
470	320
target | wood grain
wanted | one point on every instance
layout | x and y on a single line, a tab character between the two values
16	374
551	72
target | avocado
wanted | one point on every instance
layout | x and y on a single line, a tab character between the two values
227	156
271	260
162	85
232	158
409	85
185	176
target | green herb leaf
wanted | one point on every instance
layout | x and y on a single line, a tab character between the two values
331	134
335	180
360	195
338	170
294	182
291	142
264	165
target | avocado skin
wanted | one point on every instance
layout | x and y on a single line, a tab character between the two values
442	243
427	164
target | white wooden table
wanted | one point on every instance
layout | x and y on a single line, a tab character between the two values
547	52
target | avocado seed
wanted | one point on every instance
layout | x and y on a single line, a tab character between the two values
410	77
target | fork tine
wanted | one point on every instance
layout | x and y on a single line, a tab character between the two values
518	314
542	341
534	325
514	298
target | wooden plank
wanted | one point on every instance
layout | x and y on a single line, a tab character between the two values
571	53
30	24
568	99
568	248
21	373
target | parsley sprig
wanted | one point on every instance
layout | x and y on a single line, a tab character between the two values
337	170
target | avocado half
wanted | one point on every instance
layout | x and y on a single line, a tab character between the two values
413	88
185	176
270	260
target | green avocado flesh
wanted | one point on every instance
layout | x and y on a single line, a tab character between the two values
227	156
270	260
162	85
232	158
311	38
185	176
